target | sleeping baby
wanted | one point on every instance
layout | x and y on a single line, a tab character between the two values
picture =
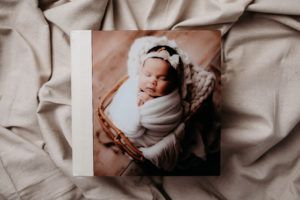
147	107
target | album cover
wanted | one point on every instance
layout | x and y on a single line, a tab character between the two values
146	103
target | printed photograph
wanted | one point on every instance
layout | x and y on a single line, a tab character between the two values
156	103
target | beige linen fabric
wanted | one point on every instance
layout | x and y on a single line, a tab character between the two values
261	110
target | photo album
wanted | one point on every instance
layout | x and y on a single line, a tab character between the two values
146	102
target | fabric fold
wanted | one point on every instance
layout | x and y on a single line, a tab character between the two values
260	88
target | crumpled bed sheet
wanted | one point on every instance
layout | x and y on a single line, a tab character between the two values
260	94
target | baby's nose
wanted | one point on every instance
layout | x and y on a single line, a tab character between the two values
153	81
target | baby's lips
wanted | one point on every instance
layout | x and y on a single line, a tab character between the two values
150	89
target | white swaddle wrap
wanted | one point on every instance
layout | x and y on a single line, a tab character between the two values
162	114
123	110
155	127
149	123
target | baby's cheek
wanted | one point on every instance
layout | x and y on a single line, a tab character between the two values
141	82
163	87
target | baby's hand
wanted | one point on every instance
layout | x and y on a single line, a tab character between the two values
143	97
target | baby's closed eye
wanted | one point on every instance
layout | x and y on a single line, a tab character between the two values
163	78
147	74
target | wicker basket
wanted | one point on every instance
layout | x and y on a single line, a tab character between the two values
201	87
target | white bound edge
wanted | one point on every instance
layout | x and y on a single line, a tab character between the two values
82	108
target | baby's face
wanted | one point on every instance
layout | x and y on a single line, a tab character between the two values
155	77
